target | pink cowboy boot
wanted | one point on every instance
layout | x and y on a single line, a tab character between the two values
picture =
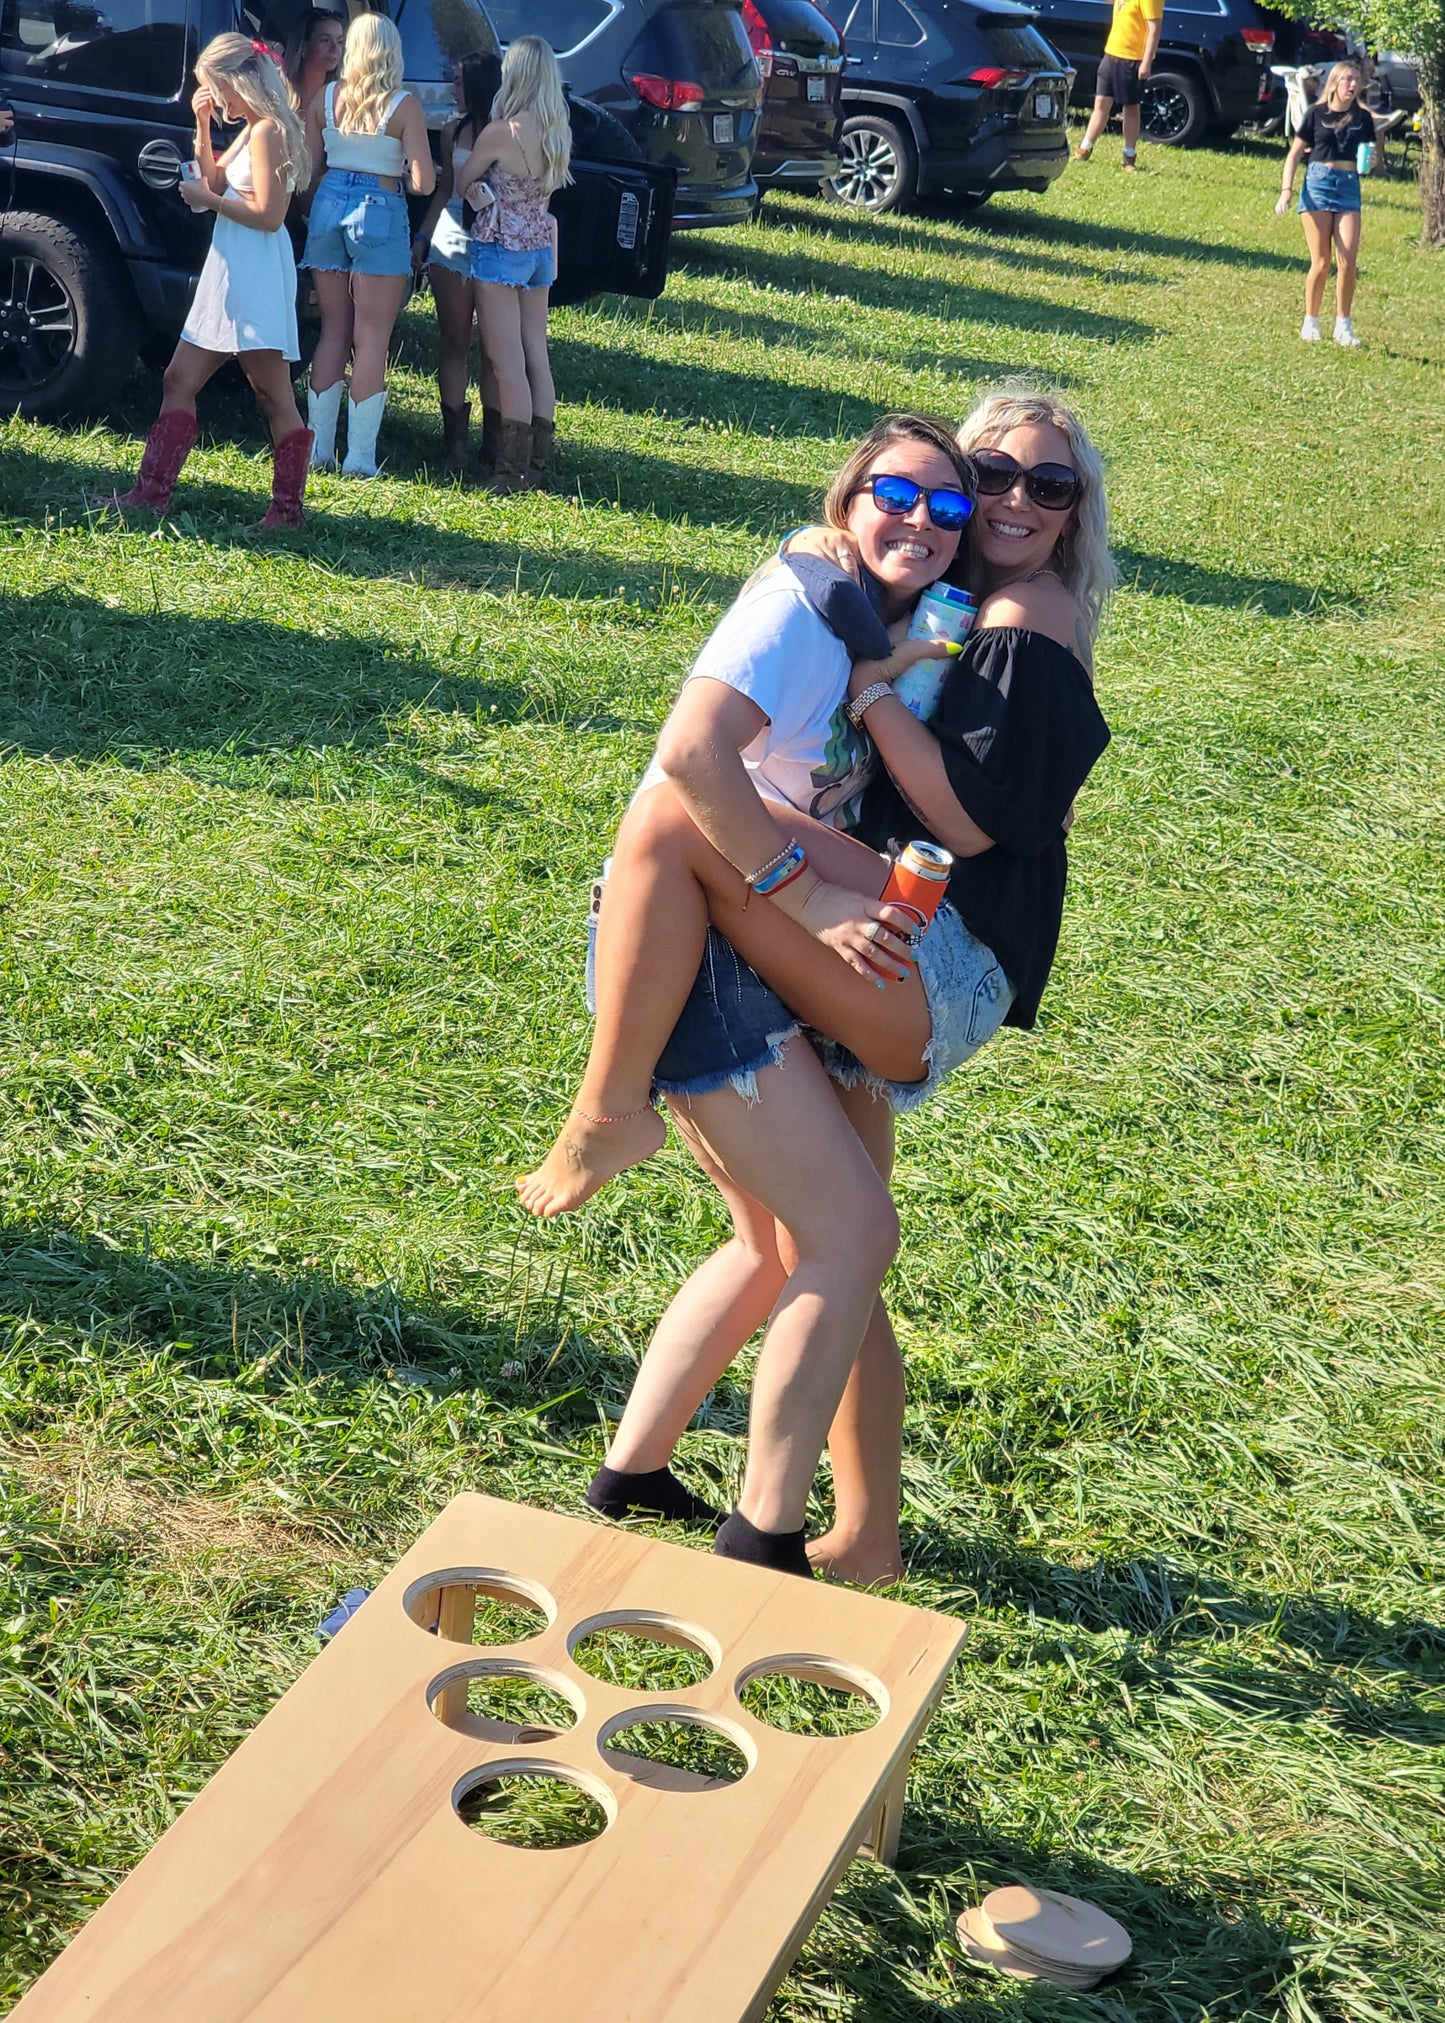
290	460
167	446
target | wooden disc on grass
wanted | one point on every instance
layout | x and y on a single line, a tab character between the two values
981	1942
1057	1930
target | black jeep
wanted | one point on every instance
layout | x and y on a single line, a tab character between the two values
98	254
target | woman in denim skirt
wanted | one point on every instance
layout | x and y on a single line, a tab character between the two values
791	1177
1331	134
372	137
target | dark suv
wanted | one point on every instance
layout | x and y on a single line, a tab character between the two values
800	55
948	96
1213	59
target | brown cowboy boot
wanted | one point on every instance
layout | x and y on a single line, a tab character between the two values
514	457
169	443
290	461
455	421
544	442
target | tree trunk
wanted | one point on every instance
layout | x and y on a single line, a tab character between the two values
1432	161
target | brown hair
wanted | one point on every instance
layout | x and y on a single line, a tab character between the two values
892	428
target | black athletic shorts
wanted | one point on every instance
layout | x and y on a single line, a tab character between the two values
1118	79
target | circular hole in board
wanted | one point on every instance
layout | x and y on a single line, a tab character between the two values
643	1653
816	1697
479	1605
533	1805
503	1701
673	1749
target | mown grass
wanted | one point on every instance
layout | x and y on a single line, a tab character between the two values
297	844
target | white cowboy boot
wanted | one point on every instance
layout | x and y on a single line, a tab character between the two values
323	411
363	419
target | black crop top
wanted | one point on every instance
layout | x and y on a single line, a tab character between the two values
1020	731
1334	136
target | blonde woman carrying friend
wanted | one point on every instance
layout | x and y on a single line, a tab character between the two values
1330	134
519	159
992	777
245	302
372	137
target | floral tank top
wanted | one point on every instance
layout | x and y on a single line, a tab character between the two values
519	220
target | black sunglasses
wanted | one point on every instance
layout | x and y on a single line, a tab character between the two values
1055	487
897	496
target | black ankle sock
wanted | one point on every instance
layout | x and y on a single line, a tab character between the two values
657	1493
784	1551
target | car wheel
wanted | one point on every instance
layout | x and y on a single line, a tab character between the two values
1173	109
877	168
68	331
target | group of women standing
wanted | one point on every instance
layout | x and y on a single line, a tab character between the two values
336	115
749	975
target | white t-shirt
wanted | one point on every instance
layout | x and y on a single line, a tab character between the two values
774	648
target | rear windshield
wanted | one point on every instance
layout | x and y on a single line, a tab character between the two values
704	43
565	24
435	34
1017	45
797	25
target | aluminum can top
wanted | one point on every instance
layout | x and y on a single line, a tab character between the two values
928	860
950	593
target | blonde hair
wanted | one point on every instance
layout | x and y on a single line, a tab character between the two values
531	82
371	72
1082	558
888	429
251	73
1345	63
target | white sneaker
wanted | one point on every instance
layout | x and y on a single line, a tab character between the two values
1309	330
1345	333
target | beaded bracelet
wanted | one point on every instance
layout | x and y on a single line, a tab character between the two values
780	872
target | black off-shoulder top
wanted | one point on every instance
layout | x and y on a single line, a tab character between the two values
1021	732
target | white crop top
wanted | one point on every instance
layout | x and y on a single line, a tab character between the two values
375	154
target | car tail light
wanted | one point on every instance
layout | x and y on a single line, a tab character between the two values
990	77
1260	40
759	37
668	94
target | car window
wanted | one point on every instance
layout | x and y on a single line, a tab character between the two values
137	47
859	25
435	34
565	24
1016	45
896	25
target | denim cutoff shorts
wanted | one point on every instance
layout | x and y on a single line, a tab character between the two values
513	270
450	246
358	226
1327	189
734	1024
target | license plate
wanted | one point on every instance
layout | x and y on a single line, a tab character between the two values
722	129
1043	106
817	87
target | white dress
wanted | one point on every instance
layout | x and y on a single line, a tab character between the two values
246	296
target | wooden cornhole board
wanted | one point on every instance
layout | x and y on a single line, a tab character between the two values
324	1875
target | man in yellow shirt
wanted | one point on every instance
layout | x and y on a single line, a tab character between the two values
1128	58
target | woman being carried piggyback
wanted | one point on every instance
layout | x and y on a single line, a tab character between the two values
520	158
245	301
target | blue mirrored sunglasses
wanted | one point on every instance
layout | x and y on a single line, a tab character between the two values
948	510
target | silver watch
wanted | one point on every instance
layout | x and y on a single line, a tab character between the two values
859	707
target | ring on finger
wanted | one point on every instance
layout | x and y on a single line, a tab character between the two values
872	931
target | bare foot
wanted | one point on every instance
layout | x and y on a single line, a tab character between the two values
855	1561
586	1156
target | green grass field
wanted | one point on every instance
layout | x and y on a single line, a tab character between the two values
296	846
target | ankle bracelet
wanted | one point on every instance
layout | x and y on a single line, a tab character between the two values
624	1116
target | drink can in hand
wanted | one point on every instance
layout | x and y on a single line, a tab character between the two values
1366	155
918	882
942	612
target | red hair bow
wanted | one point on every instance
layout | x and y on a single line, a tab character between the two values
264	49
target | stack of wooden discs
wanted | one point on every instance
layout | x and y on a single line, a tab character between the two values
1044	1935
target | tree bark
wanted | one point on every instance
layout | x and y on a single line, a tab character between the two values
1432	159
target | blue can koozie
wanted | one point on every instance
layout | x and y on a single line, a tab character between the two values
1365	158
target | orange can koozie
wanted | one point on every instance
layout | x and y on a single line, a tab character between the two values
918	882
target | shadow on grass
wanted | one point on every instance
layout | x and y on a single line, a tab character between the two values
1031	226
792	270
1177	1614
83	681
1166	576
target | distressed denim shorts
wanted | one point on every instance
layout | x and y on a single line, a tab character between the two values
734	1024
357	226
1327	189
513	270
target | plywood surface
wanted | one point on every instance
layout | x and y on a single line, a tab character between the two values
324	1872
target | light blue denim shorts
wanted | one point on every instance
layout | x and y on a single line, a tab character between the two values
1327	189
513	270
357	226
734	1024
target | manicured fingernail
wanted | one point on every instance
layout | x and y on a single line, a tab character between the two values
881	982
954	647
